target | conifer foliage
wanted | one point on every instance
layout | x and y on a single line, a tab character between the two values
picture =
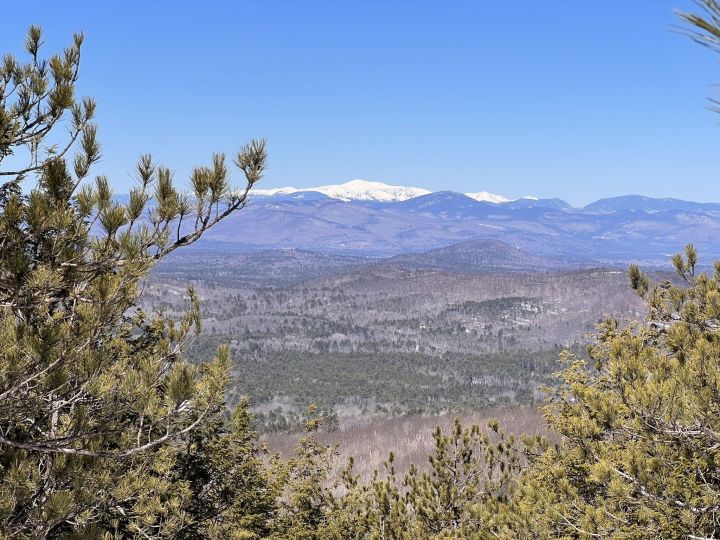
640	426
639	455
92	389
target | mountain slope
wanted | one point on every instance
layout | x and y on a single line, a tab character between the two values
648	204
488	197
612	231
477	256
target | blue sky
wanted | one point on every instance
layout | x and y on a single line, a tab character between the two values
570	99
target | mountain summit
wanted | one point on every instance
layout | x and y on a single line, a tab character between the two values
364	190
355	190
486	196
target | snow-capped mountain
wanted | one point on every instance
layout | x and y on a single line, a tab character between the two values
488	197
355	190
276	191
364	190
616	231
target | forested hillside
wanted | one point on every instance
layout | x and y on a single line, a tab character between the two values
377	339
383	307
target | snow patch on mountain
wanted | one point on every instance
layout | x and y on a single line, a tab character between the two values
486	196
355	190
275	191
364	190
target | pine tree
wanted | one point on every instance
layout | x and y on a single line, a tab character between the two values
706	24
640	425
307	493
469	471
233	494
640	420
94	392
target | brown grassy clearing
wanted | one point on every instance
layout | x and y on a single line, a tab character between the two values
409	438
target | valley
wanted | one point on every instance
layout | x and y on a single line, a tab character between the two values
461	328
377	302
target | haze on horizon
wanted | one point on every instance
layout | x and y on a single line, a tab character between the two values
581	102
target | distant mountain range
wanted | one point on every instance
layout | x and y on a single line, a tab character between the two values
363	190
370	219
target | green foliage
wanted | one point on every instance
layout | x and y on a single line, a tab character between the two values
94	393
467	470
384	383
308	501
706	23
232	493
639	422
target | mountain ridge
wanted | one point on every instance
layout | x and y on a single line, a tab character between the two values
369	191
617	231
435	220
482	256
365	190
354	190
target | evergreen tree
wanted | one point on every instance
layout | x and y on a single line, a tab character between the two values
233	495
640	421
640	425
94	393
307	499
469	470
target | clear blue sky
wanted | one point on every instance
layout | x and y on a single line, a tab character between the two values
570	99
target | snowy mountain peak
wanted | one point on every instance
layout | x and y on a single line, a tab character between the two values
355	190
274	191
488	197
365	190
